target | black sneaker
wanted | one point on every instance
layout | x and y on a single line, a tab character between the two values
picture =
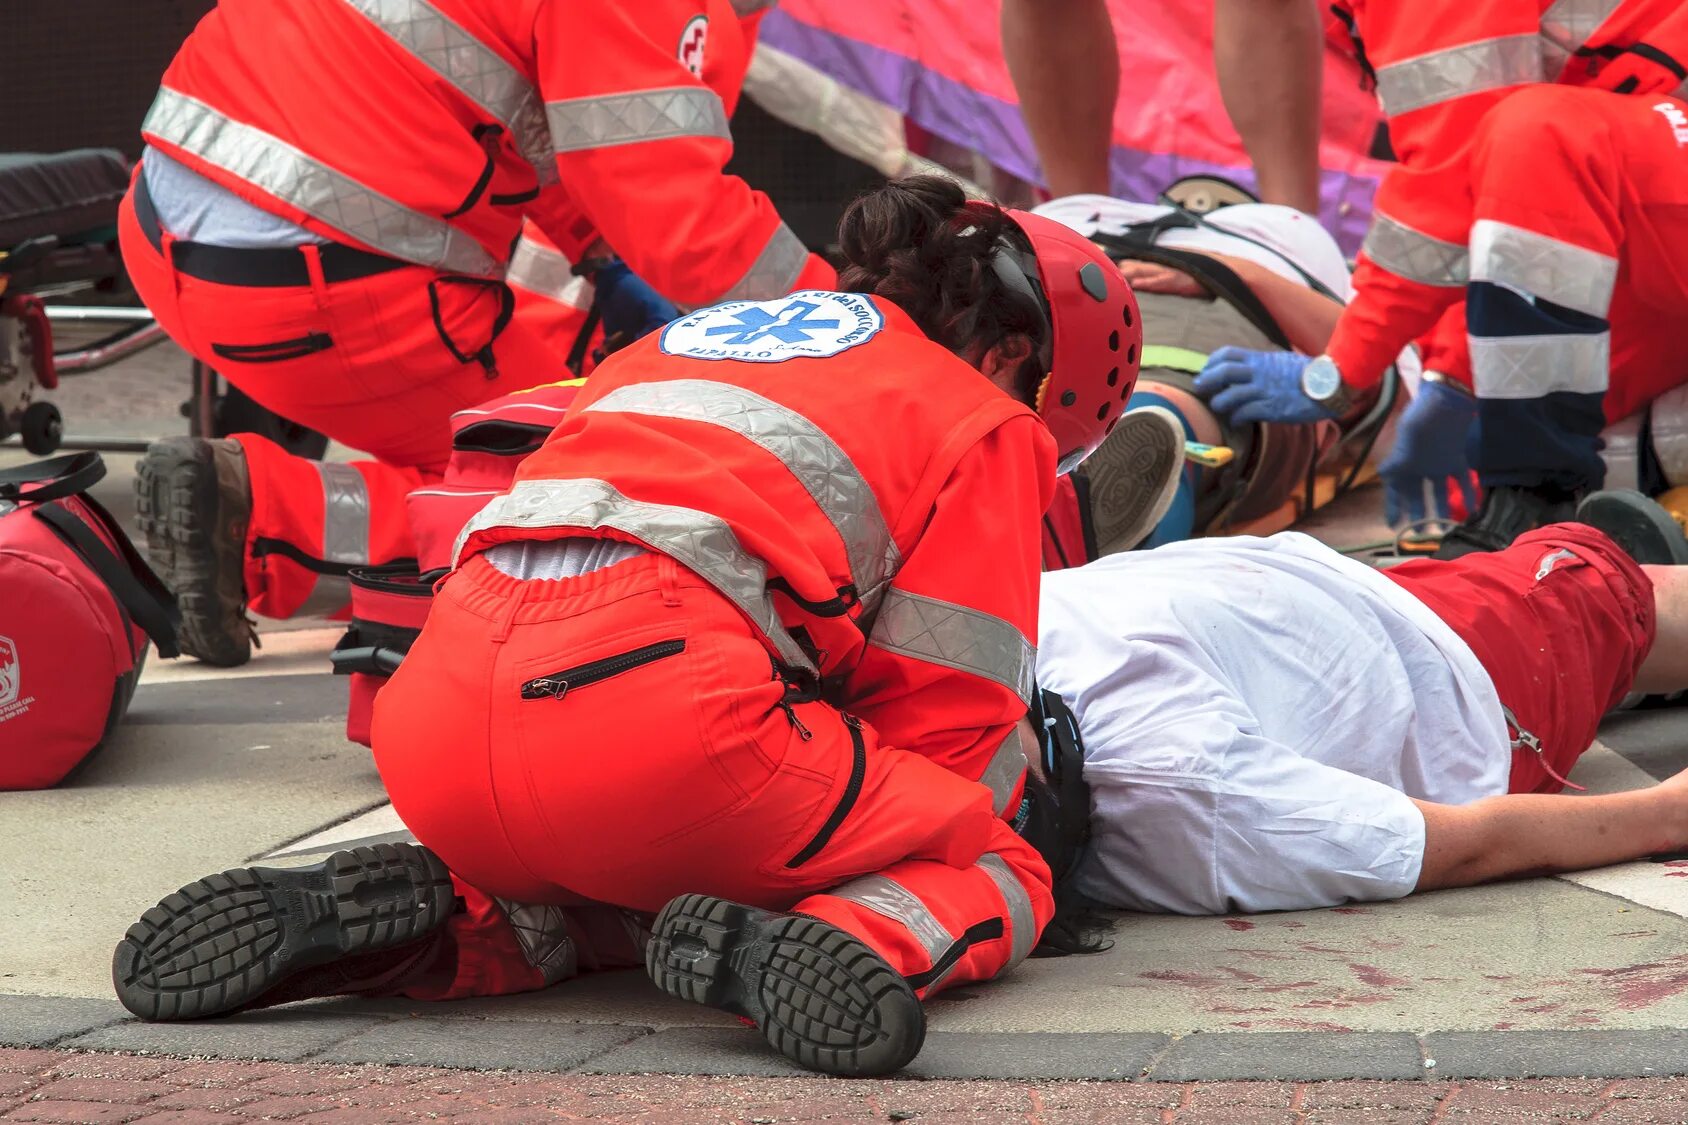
193	502
820	997
1643	529
1507	513
247	937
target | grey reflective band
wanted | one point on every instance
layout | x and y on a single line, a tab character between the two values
885	896
472	68
1515	367
579	124
1566	26
1007	767
775	271
345	534
542	932
1406	253
277	168
1470	68
823	469
702	542
744	8
955	636
1022	920
549	273
1544	267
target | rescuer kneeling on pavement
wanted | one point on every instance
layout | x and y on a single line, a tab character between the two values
325	212
753	624
1542	182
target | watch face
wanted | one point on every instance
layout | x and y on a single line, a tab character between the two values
1321	380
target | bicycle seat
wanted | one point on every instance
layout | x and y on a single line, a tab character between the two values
72	196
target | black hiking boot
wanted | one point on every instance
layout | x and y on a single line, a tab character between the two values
1507	513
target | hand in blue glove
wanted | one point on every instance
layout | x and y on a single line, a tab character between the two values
1250	386
629	307
1429	448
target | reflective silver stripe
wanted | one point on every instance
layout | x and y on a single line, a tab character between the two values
649	115
823	469
547	272
329	595
884	895
775	271
345	535
1533	366
474	70
1002	776
276	167
542	932
1565	26
1022	920
704	543
1470	68
1544	267
744	8
1407	253
955	636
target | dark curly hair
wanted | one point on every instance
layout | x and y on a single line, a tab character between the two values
921	243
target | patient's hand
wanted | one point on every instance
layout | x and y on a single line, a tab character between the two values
1152	277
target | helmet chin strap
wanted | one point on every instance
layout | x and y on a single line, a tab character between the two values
1017	270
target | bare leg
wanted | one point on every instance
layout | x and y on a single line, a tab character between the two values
1666	667
1269	54
1065	65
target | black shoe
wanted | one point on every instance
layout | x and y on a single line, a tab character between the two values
228	941
193	502
1642	528
1507	513
820	997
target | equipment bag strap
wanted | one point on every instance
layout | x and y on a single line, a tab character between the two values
54	478
1217	277
129	579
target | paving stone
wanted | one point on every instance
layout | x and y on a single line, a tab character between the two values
1290	1056
78	1089
76	1113
284	1036
482	1045
35	1021
1032	1056
1557	1054
696	1050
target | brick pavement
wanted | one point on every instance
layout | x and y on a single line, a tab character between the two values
70	1088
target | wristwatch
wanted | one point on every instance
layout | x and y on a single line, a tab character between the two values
1321	381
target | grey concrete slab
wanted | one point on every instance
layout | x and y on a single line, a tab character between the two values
1289	1056
36	1021
696	1050
1652	737
481	1044
1036	1056
1558	1054
304	699
284	1035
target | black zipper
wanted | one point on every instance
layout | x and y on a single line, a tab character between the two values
558	684
852	791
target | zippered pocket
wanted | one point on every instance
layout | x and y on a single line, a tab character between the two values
555	685
852	793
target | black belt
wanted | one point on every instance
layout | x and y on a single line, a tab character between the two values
271	267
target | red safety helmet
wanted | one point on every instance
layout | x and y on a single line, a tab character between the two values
1095	329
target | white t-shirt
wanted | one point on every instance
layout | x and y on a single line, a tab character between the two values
1255	715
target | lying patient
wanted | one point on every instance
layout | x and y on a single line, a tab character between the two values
1269	725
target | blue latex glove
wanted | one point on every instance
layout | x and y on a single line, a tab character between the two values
1249	386
1429	448
629	307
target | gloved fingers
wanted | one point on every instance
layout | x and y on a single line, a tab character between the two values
1436	498
1403	499
1235	397
1265	409
1225	367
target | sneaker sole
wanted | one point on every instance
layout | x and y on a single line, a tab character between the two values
175	503
820	997
1134	477
1642	528
221	942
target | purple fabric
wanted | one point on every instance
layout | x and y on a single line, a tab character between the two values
994	128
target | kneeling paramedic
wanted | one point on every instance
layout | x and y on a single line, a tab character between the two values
754	624
325	212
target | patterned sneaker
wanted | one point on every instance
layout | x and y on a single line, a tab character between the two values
1134	477
193	502
821	998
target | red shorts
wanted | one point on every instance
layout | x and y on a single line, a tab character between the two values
1561	620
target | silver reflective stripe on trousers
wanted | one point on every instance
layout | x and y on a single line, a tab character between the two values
548	273
775	271
472	68
345	535
1532	366
1470	68
1543	267
955	636
1566	26
276	167
825	471
885	896
578	124
542	932
1407	253
1007	767
702	542
1022	921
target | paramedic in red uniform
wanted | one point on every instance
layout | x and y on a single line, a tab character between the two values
755	624
325	213
1542	181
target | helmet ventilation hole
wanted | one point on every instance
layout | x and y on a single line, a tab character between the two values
1127	311
1131	354
1103	413
1113	341
1113	377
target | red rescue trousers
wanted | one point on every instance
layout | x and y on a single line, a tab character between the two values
378	363
623	737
